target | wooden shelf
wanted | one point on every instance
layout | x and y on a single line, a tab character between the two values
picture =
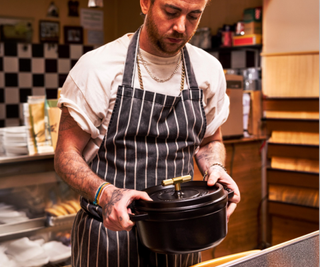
293	211
234	48
294	125
293	151
293	178
306	104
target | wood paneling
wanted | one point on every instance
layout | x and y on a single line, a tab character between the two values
291	75
285	229
290	25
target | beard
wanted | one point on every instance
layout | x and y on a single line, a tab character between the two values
157	39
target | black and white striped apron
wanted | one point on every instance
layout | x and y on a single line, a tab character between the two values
151	137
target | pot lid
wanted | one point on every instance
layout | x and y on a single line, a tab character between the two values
180	195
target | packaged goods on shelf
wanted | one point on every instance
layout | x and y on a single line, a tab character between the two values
54	120
252	14
39	122
252	27
250	39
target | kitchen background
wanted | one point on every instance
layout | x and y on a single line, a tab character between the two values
37	67
271	170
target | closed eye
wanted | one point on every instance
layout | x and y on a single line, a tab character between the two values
171	14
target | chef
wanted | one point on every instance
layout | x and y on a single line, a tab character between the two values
137	111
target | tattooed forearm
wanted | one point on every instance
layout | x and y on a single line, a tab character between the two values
72	168
211	153
68	161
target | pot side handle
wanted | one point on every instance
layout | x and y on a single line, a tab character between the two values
138	217
230	192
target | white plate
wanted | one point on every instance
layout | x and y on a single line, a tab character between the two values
57	252
7	213
38	262
16	150
14	130
4	206
23	250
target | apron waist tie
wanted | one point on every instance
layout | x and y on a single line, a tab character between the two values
92	210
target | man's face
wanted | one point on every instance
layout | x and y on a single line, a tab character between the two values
171	23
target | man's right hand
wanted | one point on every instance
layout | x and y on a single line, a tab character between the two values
114	202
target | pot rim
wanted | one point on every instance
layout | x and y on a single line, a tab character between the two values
216	194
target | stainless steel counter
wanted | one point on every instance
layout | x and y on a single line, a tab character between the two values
299	252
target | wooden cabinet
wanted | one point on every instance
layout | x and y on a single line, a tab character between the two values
244	164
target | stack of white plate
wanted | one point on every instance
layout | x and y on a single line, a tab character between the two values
10	215
24	252
15	140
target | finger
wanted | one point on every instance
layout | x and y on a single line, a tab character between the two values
213	177
230	209
125	222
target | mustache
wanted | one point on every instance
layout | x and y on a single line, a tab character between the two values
176	35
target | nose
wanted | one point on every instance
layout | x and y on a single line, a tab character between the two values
180	24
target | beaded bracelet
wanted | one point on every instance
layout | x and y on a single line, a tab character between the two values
98	193
214	164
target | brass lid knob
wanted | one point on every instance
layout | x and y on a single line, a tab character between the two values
177	181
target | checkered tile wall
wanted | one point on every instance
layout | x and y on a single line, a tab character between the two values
32	69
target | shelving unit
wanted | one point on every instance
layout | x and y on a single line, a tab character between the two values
251	55
290	216
23	171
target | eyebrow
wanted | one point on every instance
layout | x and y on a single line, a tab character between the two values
179	9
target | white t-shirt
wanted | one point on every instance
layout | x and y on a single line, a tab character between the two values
90	89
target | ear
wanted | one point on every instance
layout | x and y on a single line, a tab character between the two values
145	5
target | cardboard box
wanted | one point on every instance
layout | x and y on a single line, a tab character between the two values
233	127
250	39
252	28
252	14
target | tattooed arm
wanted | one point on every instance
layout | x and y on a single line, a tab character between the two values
212	150
72	168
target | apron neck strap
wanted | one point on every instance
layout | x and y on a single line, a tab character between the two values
189	70
131	63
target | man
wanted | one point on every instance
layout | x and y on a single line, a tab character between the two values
133	115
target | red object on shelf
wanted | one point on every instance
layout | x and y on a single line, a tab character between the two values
250	39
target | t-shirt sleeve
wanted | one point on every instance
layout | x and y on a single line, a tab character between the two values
216	101
85	97
72	98
218	107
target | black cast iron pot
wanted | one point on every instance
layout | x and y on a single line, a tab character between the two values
182	218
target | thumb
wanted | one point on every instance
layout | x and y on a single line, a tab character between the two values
143	196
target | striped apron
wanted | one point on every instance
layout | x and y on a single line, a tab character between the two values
151	137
